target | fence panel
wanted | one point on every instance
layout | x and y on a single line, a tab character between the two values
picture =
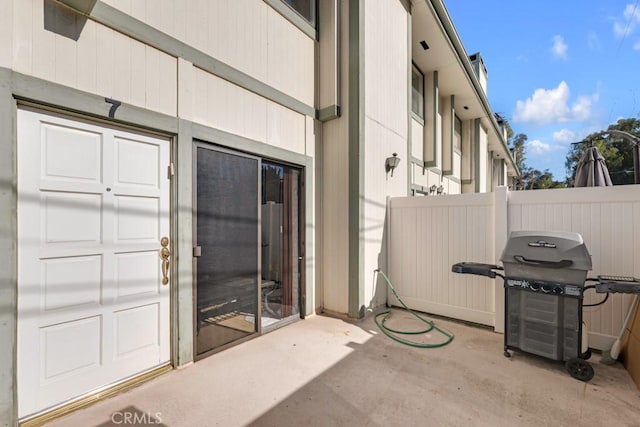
608	218
429	234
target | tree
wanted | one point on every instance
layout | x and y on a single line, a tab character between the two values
617	152
518	147
529	178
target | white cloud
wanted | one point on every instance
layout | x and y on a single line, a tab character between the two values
552	106
544	106
564	136
581	110
538	147
559	48
630	20
593	42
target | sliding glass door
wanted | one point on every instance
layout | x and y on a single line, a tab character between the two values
281	243
248	248
227	251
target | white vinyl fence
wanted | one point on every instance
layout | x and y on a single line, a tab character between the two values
429	234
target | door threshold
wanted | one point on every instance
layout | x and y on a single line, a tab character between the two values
95	396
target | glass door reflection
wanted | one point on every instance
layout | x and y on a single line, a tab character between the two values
227	232
281	282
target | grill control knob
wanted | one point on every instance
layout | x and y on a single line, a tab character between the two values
534	287
557	290
546	288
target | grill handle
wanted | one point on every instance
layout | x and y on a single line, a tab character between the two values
542	263
476	268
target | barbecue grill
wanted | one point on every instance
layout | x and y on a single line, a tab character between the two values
544	280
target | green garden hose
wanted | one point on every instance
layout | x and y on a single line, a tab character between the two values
392	333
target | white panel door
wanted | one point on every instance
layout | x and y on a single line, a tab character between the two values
93	204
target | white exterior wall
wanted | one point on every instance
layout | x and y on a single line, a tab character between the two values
248	35
223	105
386	127
6	33
102	61
417	139
245	34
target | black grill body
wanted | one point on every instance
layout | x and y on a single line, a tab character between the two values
544	280
547	324
544	286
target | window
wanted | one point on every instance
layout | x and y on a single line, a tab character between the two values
457	134
306	9
417	93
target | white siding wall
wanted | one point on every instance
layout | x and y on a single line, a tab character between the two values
457	162
6	33
417	139
386	112
418	177
245	34
102	61
223	105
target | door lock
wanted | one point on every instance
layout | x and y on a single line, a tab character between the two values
164	256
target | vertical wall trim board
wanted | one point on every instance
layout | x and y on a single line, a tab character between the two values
309	240
8	238
435	105
328	60
409	99
476	155
183	203
447	163
356	158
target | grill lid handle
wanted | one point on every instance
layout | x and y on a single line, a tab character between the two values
542	263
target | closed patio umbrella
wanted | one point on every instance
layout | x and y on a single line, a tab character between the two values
592	170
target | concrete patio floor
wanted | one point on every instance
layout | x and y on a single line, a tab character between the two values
325	371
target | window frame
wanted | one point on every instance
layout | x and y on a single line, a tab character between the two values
420	114
457	134
313	7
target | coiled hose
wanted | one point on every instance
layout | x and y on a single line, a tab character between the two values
392	333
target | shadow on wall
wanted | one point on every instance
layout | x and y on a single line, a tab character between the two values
378	284
64	21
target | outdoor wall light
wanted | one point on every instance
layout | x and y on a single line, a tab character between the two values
391	163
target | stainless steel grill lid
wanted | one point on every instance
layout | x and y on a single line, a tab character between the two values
553	256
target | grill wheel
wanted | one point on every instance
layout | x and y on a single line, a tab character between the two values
579	369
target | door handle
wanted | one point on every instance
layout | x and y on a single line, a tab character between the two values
165	253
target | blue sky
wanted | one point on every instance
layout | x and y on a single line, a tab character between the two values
558	70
